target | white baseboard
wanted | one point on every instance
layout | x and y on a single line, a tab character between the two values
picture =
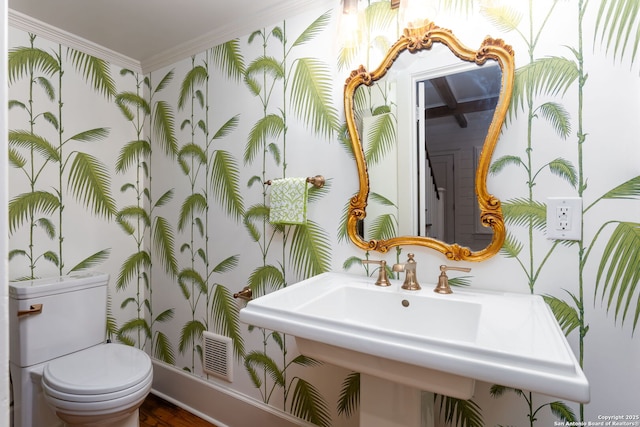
217	405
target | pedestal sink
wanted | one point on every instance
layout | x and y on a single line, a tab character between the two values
423	340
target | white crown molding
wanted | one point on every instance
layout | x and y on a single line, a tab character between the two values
26	23
257	19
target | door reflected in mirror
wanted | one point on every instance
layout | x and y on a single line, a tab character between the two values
423	126
453	116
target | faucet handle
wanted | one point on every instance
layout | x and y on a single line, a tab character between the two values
383	279
443	281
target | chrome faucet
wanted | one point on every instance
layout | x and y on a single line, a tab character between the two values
409	268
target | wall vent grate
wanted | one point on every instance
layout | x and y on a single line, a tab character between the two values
216	355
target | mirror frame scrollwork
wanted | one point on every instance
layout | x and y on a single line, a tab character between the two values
415	39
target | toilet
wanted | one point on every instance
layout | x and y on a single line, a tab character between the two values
63	373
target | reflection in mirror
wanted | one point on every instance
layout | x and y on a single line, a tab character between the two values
458	108
424	193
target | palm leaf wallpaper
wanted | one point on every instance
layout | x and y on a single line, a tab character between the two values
161	181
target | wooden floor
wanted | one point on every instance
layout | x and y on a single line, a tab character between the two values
156	412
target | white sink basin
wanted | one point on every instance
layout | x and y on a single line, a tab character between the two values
438	343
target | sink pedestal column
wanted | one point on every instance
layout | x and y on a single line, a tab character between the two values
387	404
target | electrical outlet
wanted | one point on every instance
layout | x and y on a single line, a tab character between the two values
564	216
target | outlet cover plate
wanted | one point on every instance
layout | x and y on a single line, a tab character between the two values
564	218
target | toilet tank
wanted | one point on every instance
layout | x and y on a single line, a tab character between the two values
73	316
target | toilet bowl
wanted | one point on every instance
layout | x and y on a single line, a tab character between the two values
62	370
99	386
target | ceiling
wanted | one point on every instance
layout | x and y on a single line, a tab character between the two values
151	33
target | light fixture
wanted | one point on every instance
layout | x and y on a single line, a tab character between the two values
350	7
349	23
412	13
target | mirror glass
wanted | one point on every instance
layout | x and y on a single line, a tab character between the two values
423	127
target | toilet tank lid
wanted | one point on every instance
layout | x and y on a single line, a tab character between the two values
58	284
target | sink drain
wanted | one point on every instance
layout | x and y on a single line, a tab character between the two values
405	303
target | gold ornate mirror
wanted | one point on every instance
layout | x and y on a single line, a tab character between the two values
424	44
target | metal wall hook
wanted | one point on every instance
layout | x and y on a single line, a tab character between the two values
246	294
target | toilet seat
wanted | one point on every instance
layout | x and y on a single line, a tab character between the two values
101	379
